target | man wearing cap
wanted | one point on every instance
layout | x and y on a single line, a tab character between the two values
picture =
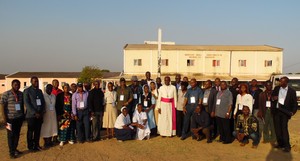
124	95
95	99
137	91
81	111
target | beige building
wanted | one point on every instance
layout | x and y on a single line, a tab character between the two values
2	83
204	62
44	78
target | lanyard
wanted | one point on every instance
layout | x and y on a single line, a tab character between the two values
268	96
222	92
16	96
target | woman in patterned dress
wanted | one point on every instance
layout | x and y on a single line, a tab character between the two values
67	122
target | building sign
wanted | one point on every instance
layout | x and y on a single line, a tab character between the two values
195	56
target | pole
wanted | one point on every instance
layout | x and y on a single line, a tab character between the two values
159	53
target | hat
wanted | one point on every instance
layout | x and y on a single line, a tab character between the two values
79	84
123	108
134	78
122	79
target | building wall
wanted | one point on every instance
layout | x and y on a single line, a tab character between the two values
2	86
25	82
203	62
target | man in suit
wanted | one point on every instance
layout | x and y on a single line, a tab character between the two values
286	106
177	82
209	100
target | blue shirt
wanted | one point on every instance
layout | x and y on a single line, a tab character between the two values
194	92
76	99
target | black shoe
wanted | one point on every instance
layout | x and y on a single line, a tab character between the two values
208	141
226	142
200	138
37	148
12	156
286	150
17	152
183	137
278	147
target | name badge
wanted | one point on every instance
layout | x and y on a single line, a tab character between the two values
240	107
205	100
281	101
193	99
218	101
17	107
135	96
38	102
268	104
121	97
51	107
81	104
146	103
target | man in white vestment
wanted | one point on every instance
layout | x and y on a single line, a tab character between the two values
166	104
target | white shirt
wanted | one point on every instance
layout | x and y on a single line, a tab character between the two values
246	100
139	117
282	95
121	121
110	96
180	100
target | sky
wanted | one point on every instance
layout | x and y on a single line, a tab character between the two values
66	35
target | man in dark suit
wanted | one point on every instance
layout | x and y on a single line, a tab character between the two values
177	82
286	106
209	100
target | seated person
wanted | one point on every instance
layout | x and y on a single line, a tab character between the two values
140	121
201	125
123	127
246	128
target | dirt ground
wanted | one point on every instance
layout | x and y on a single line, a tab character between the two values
157	148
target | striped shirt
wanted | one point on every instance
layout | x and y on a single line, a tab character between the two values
13	104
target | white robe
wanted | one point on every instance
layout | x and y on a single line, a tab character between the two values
166	119
49	126
139	118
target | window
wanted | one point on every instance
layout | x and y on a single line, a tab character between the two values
242	63
137	62
165	62
190	62
25	84
216	63
268	63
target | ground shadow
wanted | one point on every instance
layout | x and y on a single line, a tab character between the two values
279	155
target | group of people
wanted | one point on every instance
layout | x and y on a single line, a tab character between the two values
146	108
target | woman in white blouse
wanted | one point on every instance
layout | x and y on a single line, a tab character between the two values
243	99
124	130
